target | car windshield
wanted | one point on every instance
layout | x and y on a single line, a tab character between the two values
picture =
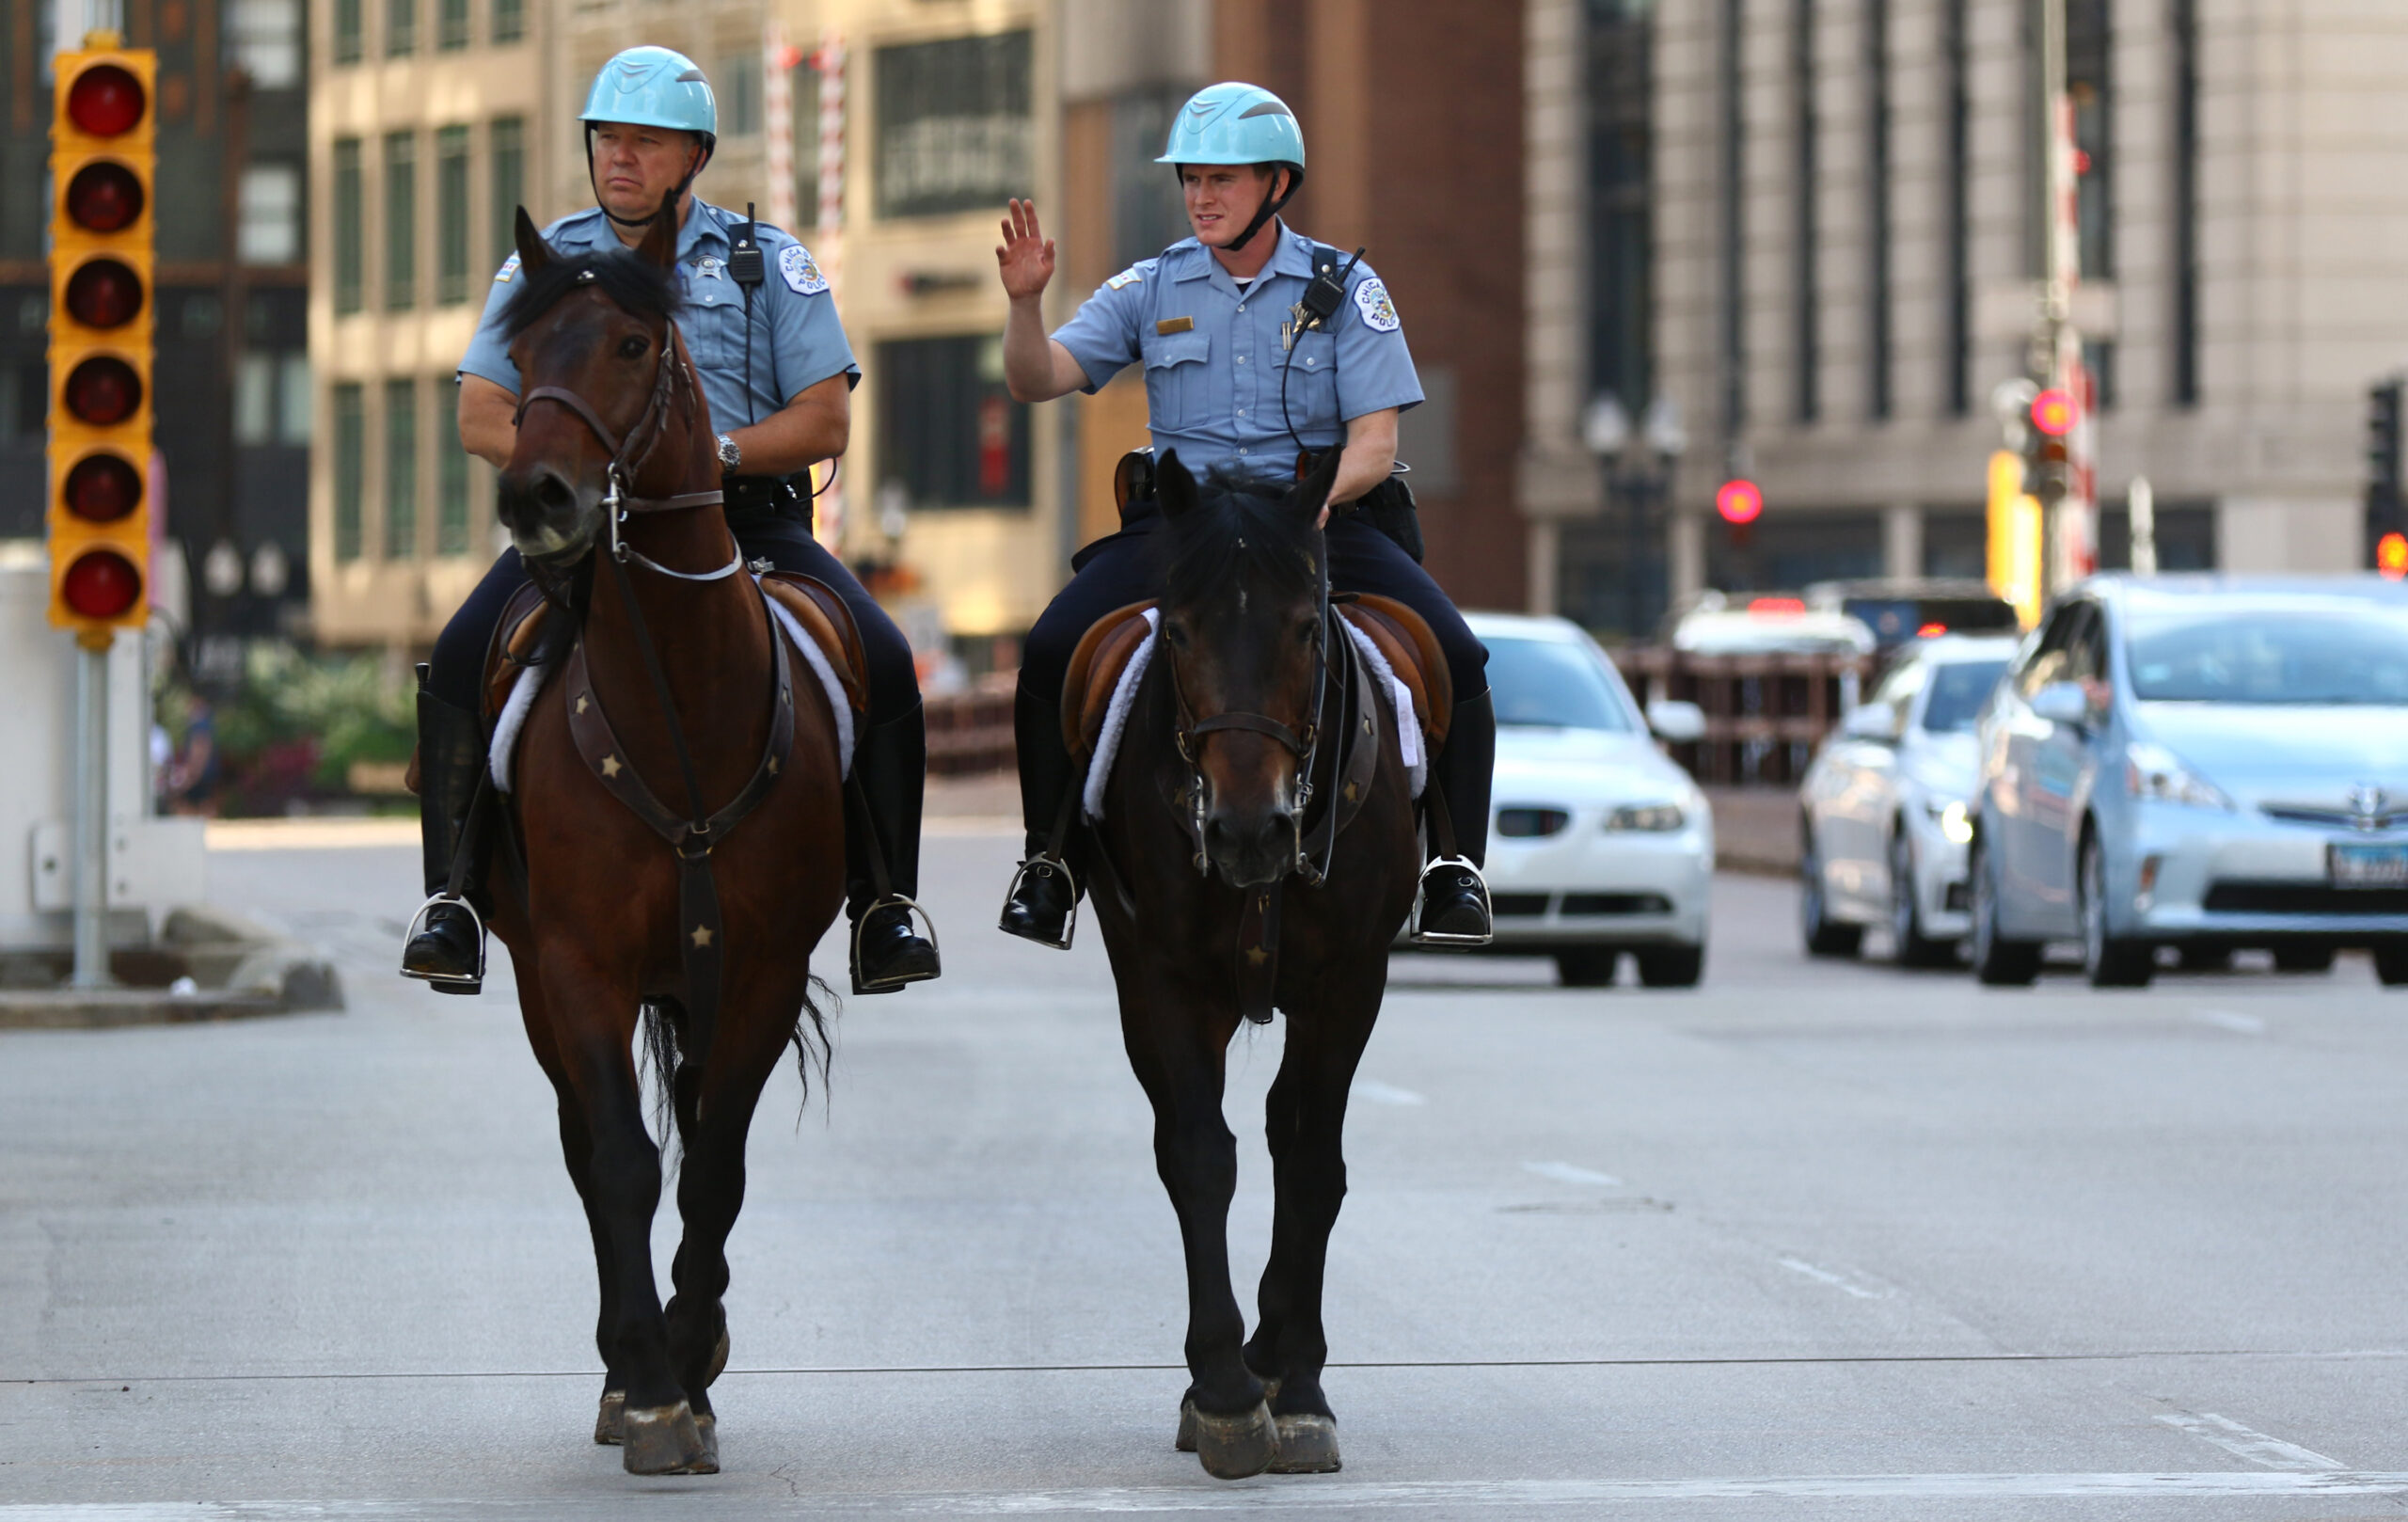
1552	684
2241	655
1958	690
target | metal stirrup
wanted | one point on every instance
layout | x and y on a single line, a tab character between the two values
418	919
1050	863
1421	938
912	908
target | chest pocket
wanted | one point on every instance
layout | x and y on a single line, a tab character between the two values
1178	371
1310	373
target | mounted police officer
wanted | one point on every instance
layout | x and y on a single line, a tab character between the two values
1238	377
778	373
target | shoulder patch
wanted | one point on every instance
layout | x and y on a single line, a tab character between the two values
1379	312
1125	278
509	268
801	270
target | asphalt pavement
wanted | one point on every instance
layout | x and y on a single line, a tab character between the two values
1815	1239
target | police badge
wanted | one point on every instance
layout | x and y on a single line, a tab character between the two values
1379	312
801	270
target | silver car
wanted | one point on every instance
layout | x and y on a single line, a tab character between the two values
2200	762
1886	809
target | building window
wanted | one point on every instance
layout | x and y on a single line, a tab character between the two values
401	469
452	25
806	144
2090	83
948	432
255	380
1879	400
452	215
509	189
953	125
348	30
1622	272
293	401
401	221
401	27
351	248
1959	294
1147	210
351	469
737	83
264	40
1806	403
451	484
270	230
508	21
2185	27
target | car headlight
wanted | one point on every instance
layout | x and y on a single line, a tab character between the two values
1657	818
1954	820
2152	772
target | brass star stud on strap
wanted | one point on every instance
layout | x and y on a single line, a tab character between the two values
702	936
610	766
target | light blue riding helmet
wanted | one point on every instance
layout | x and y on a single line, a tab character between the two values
1235	124
651	87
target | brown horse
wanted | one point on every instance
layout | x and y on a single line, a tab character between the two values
1206	812
676	661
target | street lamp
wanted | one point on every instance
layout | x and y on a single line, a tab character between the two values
1638	466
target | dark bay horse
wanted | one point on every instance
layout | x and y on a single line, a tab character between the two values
1203	812
676	659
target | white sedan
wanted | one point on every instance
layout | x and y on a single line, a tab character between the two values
1887	806
1599	844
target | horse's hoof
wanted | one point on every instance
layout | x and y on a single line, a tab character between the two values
708	1426
1185	1441
718	1360
664	1440
610	1423
1307	1444
1238	1447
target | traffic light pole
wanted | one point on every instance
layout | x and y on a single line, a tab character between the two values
2068	520
91	811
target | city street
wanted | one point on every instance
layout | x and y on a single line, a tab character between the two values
1814	1241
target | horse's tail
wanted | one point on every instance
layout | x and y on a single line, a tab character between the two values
675	1070
809	1034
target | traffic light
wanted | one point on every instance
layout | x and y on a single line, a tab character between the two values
2048	469
2387	536
103	152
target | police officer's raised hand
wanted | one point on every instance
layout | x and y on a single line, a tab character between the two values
1026	258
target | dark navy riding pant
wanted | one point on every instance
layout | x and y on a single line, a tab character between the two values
784	541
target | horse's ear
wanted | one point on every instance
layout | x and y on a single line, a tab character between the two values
1173	487
533	252
1312	492
660	246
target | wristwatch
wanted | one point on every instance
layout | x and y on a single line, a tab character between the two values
730	457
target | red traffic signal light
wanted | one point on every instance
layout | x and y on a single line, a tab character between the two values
2053	413
100	583
107	102
101	489
103	392
104	197
2391	556
104	293
1739	501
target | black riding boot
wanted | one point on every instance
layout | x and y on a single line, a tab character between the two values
891	763
1454	908
1043	896
448	948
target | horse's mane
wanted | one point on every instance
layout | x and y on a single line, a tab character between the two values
1236	524
636	285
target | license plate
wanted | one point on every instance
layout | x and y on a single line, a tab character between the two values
2367	866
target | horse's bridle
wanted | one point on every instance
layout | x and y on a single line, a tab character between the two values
628	454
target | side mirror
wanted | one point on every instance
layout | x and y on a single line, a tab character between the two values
2062	703
1676	722
1875	722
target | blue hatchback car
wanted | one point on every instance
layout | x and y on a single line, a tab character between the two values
2205	762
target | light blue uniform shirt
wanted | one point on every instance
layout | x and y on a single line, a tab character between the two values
797	340
1213	379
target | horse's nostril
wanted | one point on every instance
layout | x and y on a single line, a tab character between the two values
554	495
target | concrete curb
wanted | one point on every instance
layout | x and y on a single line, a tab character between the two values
230	969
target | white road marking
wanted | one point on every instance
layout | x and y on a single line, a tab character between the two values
1837	1281
2248	1443
1573	1173
1380	1093
2226	1020
1273	1493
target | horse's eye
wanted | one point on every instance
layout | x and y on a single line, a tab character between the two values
633	346
1307	630
1176	634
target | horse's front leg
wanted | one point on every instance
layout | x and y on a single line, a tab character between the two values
1179	1051
1305	1120
594	1024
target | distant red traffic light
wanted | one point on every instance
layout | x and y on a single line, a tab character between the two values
104	293
2391	556
103	392
101	584
107	102
104	197
2053	413
1739	501
102	488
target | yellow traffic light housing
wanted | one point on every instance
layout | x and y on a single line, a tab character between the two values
103	165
